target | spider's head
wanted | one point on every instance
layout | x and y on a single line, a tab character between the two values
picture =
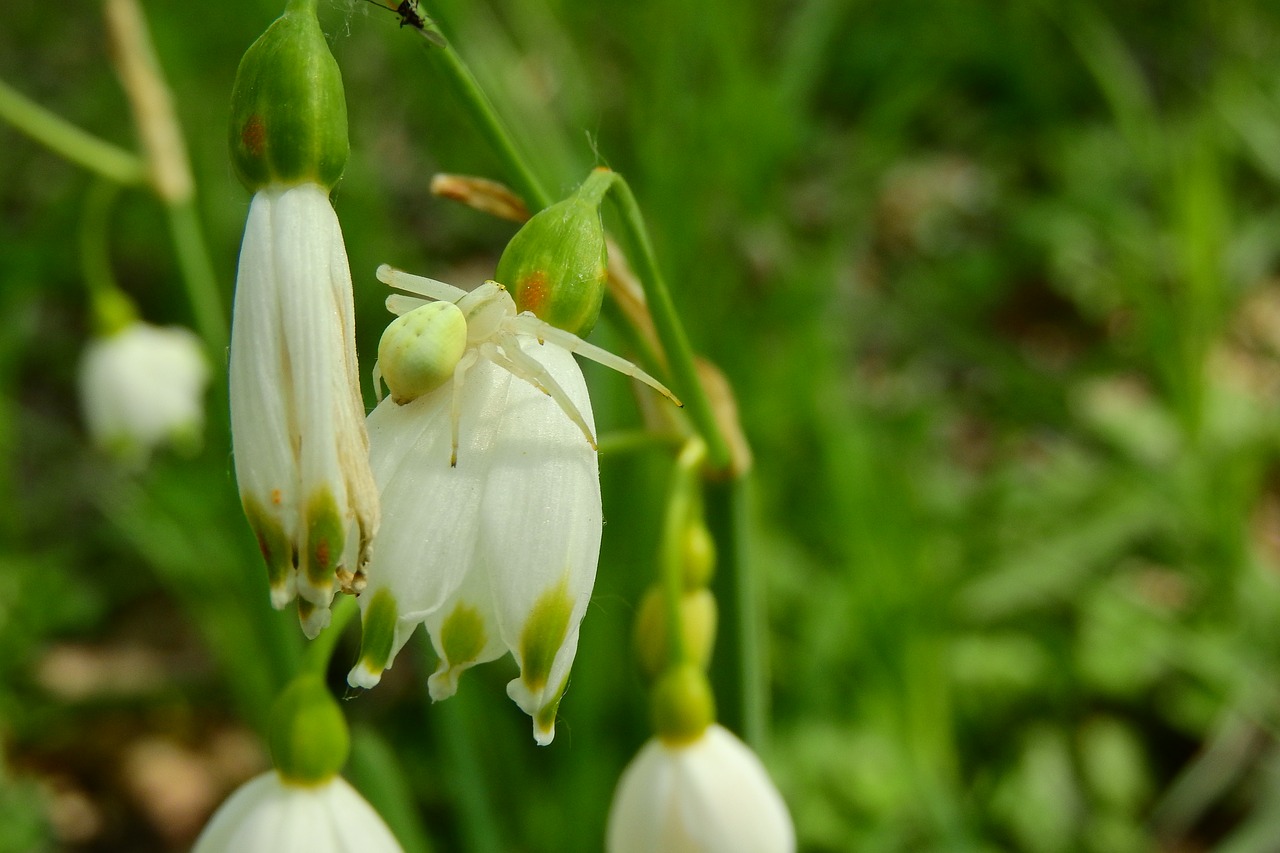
485	308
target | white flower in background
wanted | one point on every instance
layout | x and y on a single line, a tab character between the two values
269	814
142	386
706	795
297	418
485	458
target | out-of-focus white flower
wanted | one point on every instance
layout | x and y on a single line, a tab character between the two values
707	795
297	417
485	458
142	386
271	815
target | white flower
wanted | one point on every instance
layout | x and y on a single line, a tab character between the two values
269	815
297	418
485	458
710	795
142	386
498	552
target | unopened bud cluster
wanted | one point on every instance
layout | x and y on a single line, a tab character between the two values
682	701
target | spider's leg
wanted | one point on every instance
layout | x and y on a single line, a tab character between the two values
528	368
402	303
428	287
531	325
377	380
455	410
499	357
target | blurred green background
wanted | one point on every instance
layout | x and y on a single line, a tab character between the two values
996	285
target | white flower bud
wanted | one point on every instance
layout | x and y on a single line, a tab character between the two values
143	386
708	795
269	815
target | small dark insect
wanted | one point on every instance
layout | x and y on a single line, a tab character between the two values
411	16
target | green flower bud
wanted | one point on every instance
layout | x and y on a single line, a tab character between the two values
308	737
653	637
683	705
698	553
288	112
555	266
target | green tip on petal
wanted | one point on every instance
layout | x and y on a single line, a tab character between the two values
556	264
288	110
463	637
326	535
543	635
376	641
308	737
544	721
277	551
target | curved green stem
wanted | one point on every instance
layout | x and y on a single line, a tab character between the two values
321	649
491	126
64	138
684	373
198	277
112	310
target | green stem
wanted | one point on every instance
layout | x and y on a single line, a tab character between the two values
624	441
683	371
321	649
64	138
198	277
475	801
112	310
739	671
491	126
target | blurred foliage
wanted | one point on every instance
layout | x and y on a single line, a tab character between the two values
996	284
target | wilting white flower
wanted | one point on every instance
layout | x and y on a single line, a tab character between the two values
297	418
271	815
485	458
709	795
142	386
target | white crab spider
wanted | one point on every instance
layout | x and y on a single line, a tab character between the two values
432	342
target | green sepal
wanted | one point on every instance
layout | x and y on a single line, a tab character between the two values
288	111
308	737
555	266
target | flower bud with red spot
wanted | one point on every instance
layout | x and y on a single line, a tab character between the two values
555	266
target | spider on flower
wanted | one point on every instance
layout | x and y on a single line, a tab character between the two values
431	342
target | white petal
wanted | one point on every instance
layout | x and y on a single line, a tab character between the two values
430	525
710	796
542	515
266	815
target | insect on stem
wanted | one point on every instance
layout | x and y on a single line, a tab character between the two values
411	15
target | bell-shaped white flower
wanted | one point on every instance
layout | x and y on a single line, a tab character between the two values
486	462
142	386
269	814
297	417
710	794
